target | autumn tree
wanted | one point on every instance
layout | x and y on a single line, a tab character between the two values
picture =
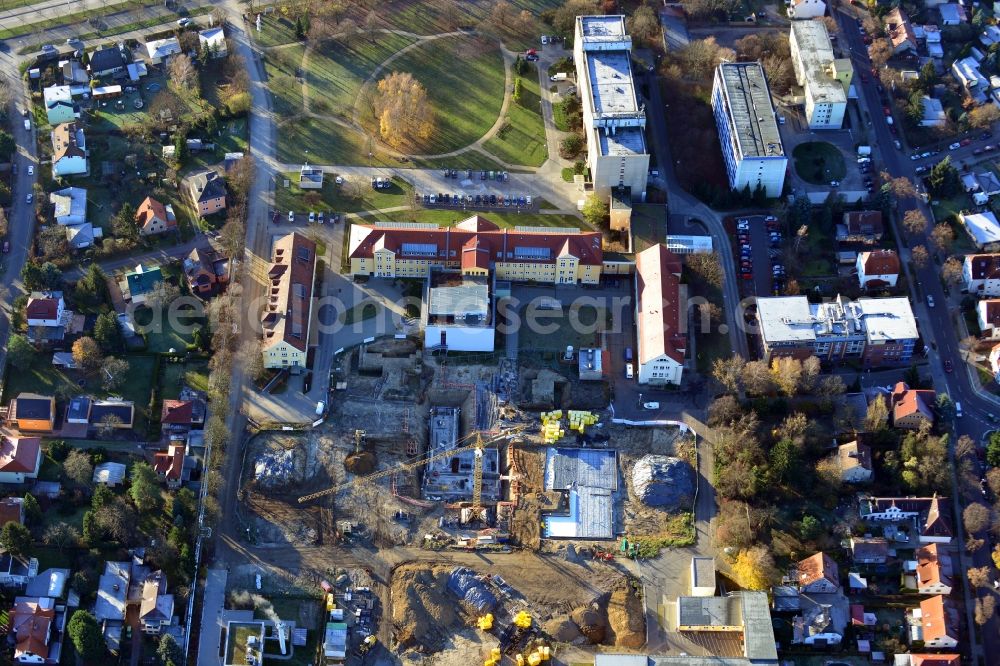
787	372
595	211
979	577
501	15
914	222
723	411
754	568
920	256
951	271
900	187
976	518
643	24
564	18
701	56
984	116
985	609
942	236
78	469
729	372
371	26
113	373
183	75
880	51
757	379
87	354
877	418
403	111
706	266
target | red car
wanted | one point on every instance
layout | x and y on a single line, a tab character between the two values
965	142
948	367
886	110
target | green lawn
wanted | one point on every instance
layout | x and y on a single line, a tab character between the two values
121	112
174	376
354	196
649	225
168	337
521	140
819	162
501	219
335	73
464	78
237	642
582	329
281	66
275	30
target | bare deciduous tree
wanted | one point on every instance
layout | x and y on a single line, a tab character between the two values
976	518
920	256
729	372
183	75
942	236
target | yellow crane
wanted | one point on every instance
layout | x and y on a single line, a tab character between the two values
477	487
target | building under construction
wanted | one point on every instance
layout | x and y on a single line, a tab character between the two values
452	478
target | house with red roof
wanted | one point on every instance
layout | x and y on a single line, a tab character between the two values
287	315
36	625
154	217
933	570
981	274
911	407
818	573
477	246
20	458
186	413
45	308
660	316
11	510
924	659
935	623
988	317
169	465
877	269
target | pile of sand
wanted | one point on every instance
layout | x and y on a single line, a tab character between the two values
626	617
422	611
591	623
360	463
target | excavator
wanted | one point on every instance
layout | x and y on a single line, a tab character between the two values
479	443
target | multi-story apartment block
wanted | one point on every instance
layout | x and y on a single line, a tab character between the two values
613	118
877	331
981	274
748	131
478	247
286	318
824	78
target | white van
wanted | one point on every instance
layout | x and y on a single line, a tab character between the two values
629	373
958	409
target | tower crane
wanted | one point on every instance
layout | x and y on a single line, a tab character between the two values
477	488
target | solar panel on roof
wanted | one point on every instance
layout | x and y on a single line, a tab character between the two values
532	253
419	248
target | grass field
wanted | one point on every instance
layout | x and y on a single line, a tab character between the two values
281	67
521	140
578	325
501	219
168	337
339	198
174	376
236	652
818	162
464	78
649	225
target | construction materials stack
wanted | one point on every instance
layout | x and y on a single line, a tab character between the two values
552	430
579	420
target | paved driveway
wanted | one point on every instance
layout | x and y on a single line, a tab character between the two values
210	641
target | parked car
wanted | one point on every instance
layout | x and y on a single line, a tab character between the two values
312	216
930	301
6	247
650	405
955	146
948	367
291	216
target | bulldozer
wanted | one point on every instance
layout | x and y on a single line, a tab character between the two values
366	645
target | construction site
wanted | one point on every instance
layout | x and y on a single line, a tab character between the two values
509	465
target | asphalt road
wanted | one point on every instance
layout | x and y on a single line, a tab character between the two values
936	323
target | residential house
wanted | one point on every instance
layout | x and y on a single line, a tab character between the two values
153	217
660	316
923	514
952	13
288	313
112	593
156	609
981	274
869	550
861	227
59	105
169	465
69	205
32	412
69	150
81	236
208	191
158	50
966	72
876	331
110	474
138	284
933	115
186	413
877	269
74	72
310	178
926	659
994	360
15	571
45	309
818	573
213	40
934	623
855	461
109	60
900	31
933	571
988	316
932	42
822	619
20	458
910	408
36	626
206	271
84	414
11	510
806	9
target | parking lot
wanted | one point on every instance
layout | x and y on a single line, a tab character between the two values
757	252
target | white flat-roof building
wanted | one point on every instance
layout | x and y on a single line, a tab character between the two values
748	131
613	120
689	244
458	312
878	331
981	227
824	78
